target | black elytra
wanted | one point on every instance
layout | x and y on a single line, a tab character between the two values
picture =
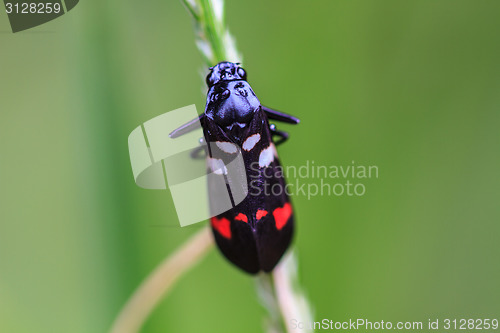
257	231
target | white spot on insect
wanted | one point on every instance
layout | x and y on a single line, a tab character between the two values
227	147
266	157
251	141
217	166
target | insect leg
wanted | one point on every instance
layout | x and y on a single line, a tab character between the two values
274	132
197	152
280	116
187	127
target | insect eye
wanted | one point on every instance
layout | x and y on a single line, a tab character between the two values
209	80
242	73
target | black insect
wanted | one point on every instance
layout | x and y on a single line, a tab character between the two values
256	232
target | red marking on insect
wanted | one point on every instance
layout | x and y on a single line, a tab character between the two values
222	226
282	214
241	217
260	214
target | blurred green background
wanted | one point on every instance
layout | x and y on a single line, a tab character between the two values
412	87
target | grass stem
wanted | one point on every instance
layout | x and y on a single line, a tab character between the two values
160	281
